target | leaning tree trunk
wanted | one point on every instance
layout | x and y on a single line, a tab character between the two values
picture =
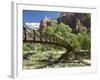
66	57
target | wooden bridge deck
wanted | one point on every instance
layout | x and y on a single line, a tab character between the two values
32	36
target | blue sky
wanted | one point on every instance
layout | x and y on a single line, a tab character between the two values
36	16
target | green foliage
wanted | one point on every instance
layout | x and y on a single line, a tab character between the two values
27	47
77	41
85	40
40	47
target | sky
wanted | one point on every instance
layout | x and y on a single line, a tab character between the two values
35	16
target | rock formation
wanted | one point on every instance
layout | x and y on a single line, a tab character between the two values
77	21
44	23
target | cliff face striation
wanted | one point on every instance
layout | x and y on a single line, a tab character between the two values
77	21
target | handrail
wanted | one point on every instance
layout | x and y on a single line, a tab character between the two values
45	38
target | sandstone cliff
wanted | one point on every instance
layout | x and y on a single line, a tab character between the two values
77	21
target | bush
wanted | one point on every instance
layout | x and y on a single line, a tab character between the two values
78	41
85	40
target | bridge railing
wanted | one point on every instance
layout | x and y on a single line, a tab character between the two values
30	35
